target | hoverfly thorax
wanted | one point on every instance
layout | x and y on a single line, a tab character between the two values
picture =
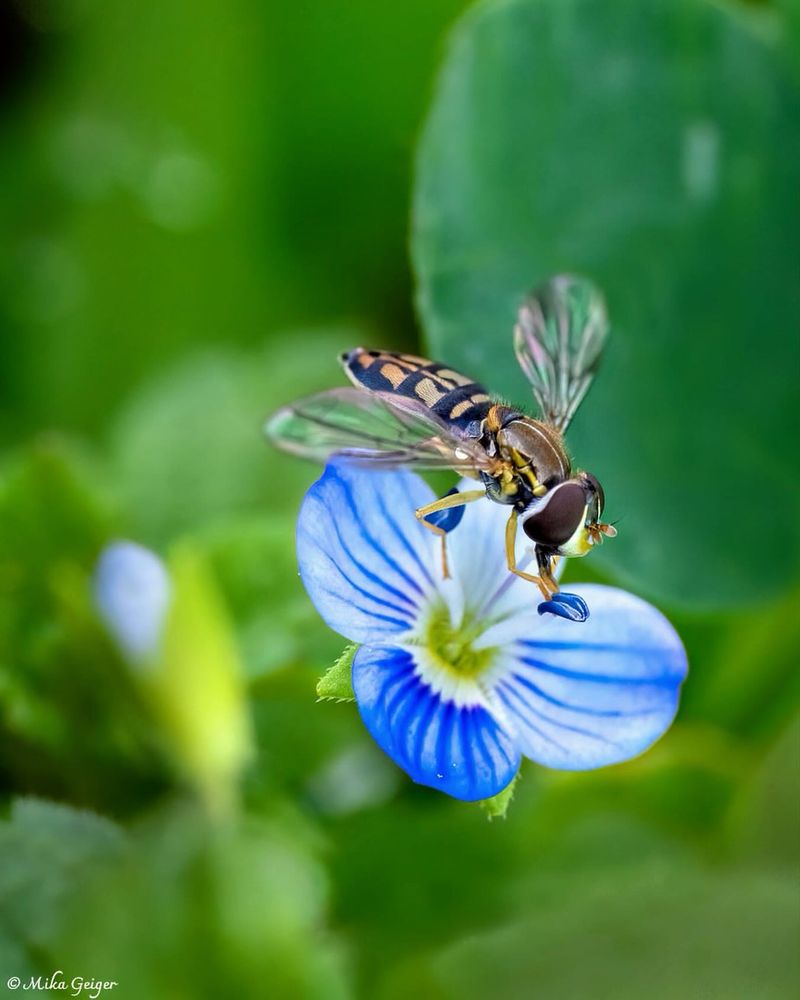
536	451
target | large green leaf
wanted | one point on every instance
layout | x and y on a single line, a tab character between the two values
645	146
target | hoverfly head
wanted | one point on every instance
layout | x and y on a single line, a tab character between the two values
567	518
596	500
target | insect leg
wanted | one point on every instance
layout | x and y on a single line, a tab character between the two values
511	559
547	567
447	502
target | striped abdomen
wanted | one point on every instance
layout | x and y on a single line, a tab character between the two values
452	396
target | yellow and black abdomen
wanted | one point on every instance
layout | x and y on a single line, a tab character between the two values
452	396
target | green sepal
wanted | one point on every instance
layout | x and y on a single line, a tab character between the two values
336	683
497	806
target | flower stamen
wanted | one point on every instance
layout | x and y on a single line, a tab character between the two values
452	648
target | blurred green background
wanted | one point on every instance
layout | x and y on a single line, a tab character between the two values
200	205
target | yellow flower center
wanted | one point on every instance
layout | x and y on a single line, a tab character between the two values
451	648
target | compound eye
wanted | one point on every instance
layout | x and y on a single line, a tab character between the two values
594	482
555	520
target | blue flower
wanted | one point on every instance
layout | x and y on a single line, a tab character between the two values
132	591
457	679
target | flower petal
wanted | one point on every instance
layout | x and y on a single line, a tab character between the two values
132	592
367	563
456	748
477	552
583	695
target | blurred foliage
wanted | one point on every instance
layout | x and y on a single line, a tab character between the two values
200	173
658	930
173	907
72	719
187	449
200	208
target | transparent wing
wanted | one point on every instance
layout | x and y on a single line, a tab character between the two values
375	428
559	337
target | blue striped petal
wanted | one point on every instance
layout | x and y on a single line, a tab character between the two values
580	695
365	560
457	749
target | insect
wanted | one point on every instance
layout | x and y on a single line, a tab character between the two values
407	411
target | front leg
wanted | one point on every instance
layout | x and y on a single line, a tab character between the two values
545	581
440	526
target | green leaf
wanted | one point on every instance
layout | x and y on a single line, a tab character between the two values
47	850
644	146
336	684
497	806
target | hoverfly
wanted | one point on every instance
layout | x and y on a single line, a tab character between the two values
408	411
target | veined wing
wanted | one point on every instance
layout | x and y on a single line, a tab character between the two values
376	428
559	338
